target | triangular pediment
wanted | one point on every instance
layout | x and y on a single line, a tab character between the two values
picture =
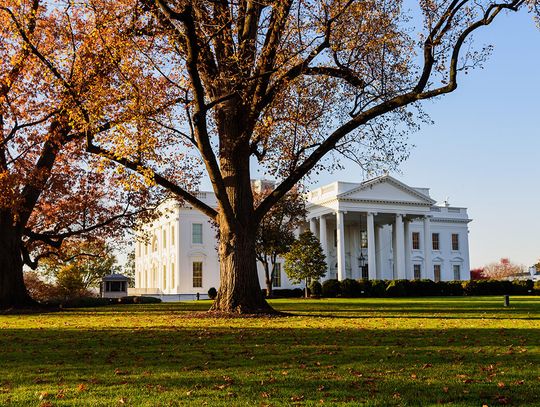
386	189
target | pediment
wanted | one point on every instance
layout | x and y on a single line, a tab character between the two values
386	189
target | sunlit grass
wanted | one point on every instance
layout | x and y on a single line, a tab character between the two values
464	351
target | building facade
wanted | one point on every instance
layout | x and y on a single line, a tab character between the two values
377	229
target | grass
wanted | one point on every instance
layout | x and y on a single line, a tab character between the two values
458	351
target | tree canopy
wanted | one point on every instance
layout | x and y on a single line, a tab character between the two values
305	261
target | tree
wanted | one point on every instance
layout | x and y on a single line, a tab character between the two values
306	260
129	268
80	264
290	84
502	270
275	234
51	189
478	274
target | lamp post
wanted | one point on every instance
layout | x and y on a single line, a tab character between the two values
362	262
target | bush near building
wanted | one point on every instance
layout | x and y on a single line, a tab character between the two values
350	288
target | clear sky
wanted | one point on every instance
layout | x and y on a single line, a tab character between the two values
483	150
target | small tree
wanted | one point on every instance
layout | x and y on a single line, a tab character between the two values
80	265
305	261
276	232
502	270
478	274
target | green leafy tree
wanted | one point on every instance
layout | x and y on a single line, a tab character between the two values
305	261
275	234
80	265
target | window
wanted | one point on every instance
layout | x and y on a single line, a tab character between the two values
435	241
115	286
196	233
417	272
455	241
197	274
363	239
437	272
276	275
457	272
164	239
172	235
164	276
416	241
172	276
335	237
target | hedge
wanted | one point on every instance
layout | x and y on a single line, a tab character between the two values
286	292
331	288
350	288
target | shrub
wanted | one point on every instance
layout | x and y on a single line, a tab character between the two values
378	288
448	288
287	293
146	300
419	288
536	287
487	287
350	288
316	289
397	288
522	286
331	288
40	290
136	299
212	293
364	288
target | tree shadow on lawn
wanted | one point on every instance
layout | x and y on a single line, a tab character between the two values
383	366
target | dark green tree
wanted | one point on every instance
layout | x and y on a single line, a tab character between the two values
275	234
305	261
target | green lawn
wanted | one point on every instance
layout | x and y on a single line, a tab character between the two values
462	351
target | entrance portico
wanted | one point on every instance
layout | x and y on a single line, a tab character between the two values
350	221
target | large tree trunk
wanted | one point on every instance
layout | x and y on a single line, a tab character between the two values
239	291
268	279
13	292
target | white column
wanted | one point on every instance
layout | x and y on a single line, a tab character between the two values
324	241
313	226
372	249
427	249
340	226
408	249
379	251
355	253
400	247
394	252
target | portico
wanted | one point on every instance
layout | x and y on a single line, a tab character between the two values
365	229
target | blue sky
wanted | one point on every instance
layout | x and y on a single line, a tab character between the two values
482	151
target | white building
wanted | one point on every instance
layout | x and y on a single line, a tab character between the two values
377	229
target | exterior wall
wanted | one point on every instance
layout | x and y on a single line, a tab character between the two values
165	251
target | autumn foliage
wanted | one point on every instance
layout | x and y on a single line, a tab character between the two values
169	89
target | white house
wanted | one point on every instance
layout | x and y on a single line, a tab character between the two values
377	229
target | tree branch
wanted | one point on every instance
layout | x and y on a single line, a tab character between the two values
387	106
